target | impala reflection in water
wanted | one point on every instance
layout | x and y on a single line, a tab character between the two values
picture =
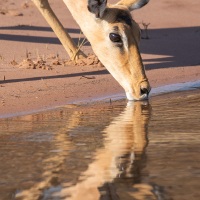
115	167
108	151
95	157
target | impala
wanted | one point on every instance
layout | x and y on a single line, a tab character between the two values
113	35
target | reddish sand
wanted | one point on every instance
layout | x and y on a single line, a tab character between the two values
171	55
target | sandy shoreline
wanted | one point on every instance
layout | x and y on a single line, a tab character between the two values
171	55
30	98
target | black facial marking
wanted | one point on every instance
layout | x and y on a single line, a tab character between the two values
125	17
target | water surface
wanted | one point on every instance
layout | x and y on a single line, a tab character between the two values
108	151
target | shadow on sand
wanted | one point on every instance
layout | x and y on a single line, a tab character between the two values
99	72
170	47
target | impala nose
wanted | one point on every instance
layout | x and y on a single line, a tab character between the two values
143	94
140	92
144	91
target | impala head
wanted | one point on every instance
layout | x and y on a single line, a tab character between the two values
115	41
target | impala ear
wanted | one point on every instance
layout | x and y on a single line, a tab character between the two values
133	4
97	7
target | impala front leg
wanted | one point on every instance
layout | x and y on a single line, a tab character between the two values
63	36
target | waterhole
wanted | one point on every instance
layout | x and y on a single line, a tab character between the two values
116	150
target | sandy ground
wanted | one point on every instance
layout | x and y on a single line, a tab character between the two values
171	55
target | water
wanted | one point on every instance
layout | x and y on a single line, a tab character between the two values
106	151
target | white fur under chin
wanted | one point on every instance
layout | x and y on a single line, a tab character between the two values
130	97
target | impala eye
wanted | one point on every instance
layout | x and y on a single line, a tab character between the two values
115	37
